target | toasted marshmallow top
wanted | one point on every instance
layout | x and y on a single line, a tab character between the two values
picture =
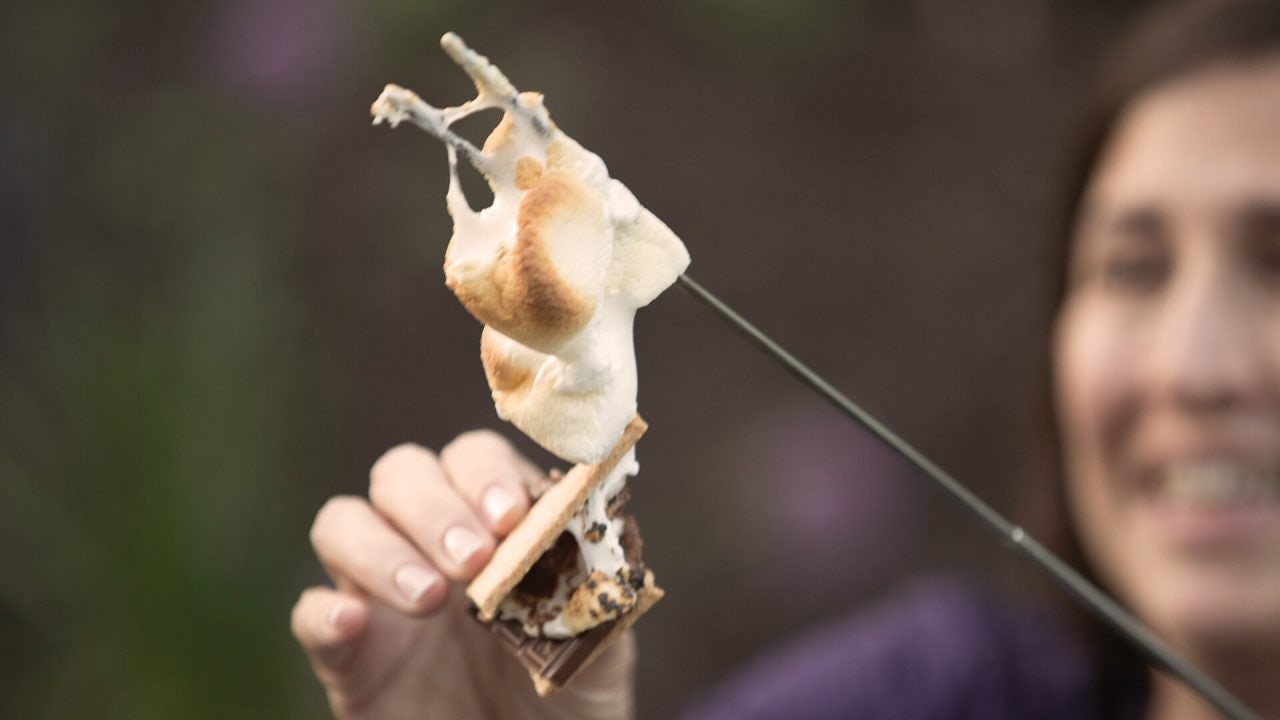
555	267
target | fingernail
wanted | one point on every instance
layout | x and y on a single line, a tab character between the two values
415	582
336	615
496	503
461	543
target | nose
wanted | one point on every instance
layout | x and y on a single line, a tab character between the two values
1209	351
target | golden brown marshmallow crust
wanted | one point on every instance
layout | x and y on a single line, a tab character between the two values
525	297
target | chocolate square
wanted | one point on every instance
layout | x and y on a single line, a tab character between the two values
557	661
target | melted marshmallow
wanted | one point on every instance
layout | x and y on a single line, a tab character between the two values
600	589
555	267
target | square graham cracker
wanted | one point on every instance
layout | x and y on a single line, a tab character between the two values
542	525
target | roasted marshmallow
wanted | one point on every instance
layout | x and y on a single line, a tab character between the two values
555	267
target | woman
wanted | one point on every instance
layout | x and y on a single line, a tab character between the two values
1165	375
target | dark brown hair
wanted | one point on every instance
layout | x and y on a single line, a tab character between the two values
1169	41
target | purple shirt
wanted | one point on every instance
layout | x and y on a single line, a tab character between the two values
944	650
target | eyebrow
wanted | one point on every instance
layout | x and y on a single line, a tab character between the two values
1139	220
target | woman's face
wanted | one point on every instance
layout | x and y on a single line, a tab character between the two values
1167	359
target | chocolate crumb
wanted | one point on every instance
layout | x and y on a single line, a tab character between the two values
596	532
608	604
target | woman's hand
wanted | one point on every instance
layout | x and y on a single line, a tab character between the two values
393	638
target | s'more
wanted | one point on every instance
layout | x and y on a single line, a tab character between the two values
555	269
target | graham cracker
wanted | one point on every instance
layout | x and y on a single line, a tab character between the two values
542	525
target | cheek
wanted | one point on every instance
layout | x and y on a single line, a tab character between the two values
1095	384
1097	399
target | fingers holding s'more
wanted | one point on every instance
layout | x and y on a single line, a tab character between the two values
492	476
408	487
365	554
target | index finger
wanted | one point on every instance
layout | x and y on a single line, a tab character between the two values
491	475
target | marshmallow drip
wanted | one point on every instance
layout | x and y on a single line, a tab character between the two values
601	586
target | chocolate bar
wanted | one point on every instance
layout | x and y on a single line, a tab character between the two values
555	661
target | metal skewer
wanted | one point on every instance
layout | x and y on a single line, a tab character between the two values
1089	595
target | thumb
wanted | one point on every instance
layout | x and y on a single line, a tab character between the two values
328	624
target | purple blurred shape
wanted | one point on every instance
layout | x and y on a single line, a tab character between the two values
832	493
281	50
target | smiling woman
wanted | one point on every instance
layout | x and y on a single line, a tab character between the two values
1168	362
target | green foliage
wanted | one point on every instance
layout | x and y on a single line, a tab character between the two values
158	464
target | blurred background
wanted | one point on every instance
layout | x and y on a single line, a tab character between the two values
221	299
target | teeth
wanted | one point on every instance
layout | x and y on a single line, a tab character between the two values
1222	484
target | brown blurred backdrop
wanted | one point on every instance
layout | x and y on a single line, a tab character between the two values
221	299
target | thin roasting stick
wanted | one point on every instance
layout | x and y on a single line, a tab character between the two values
1085	592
